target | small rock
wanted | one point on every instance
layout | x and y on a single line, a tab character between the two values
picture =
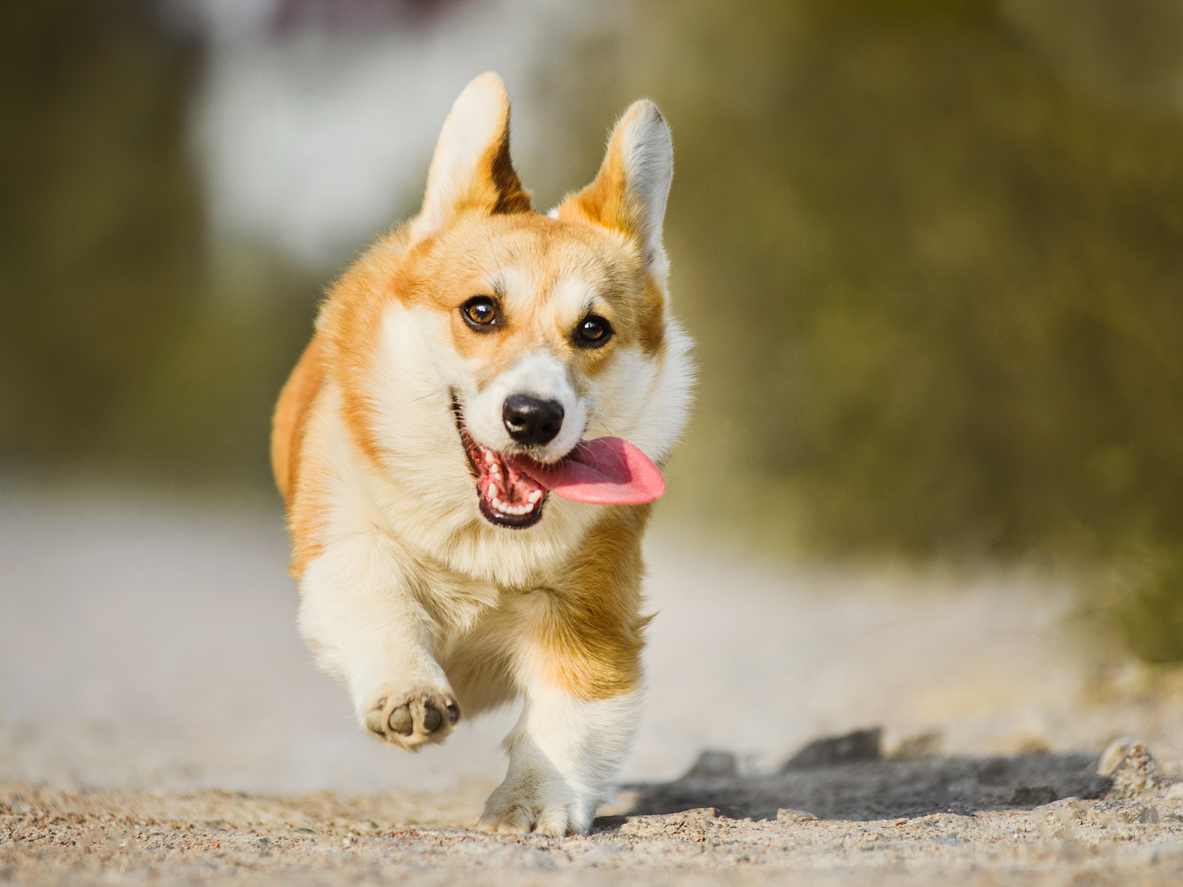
1067	811
786	814
1112	757
1130	767
689	824
698	817
861	745
1144	814
713	764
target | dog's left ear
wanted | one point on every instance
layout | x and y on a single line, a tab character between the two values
629	193
471	169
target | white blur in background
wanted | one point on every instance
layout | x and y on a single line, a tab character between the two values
314	122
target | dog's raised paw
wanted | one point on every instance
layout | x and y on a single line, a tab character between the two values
411	719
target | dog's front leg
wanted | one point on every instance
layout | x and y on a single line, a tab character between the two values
365	628
580	672
564	753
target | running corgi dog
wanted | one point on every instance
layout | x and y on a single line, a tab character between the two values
467	451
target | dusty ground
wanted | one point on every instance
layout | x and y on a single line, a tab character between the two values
159	723
877	832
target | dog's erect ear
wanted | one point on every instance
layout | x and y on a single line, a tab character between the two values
629	192
471	169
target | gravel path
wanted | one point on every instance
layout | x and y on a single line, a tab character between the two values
159	722
210	837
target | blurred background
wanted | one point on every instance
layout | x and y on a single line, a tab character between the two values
931	252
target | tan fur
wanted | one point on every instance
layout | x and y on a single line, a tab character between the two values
299	483
591	625
288	423
407	592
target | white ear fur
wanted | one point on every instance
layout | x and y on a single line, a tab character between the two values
463	166
630	191
648	154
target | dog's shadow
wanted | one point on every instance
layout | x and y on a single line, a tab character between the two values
847	777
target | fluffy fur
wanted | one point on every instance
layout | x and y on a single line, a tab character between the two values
409	594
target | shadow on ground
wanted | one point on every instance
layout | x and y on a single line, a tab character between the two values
847	777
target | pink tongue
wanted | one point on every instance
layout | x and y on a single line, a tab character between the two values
604	471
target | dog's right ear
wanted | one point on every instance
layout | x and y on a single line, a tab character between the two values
471	169
630	191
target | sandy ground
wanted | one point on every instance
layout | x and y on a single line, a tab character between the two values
160	722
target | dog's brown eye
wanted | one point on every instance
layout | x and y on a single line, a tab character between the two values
592	332
479	312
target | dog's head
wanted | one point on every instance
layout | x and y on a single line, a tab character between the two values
520	334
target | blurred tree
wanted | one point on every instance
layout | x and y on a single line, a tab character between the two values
1125	52
936	290
99	217
125	347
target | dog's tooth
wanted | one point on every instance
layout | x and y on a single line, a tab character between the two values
534	497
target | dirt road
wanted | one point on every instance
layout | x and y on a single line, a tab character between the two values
210	837
150	673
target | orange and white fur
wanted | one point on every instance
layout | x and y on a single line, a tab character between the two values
423	595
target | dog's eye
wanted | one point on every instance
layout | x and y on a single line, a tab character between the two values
592	332
479	312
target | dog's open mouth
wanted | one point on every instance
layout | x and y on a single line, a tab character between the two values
508	498
513	488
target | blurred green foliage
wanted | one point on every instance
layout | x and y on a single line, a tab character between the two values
1148	603
931	251
936	292
101	223
119	349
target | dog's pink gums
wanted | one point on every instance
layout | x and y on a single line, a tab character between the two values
507	495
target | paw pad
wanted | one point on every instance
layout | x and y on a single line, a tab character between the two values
409	722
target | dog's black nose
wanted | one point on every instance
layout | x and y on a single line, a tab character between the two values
531	420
